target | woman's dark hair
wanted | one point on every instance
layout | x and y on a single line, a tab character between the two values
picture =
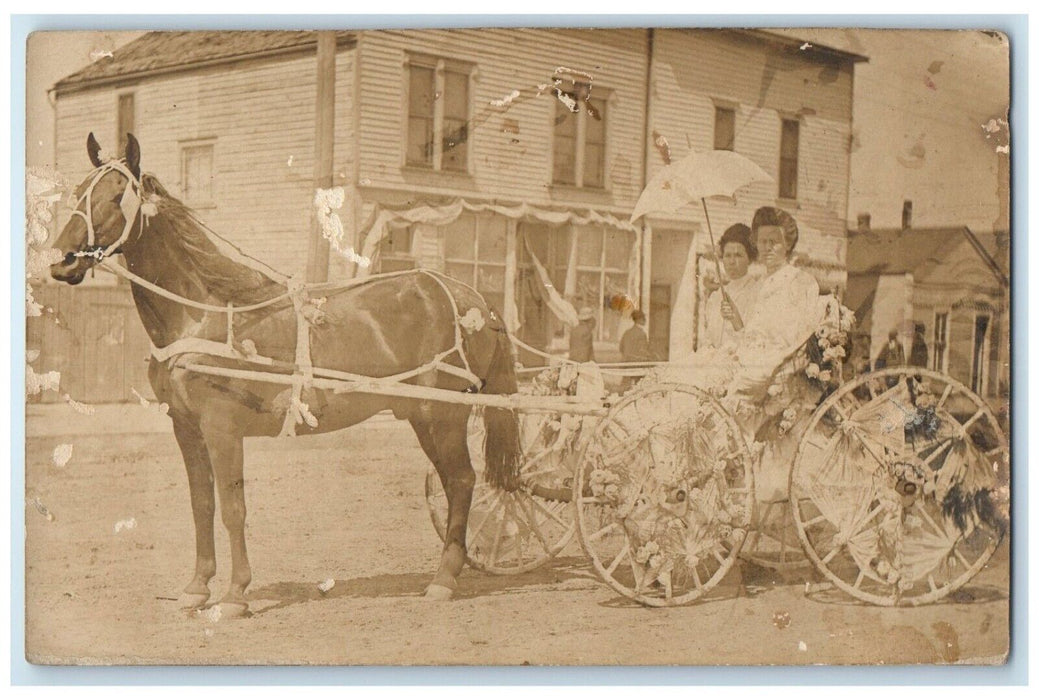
739	233
772	216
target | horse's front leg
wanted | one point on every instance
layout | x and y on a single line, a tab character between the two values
203	507
443	438
226	453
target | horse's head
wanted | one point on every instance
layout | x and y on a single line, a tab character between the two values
107	209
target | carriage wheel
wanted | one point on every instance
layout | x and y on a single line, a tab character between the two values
773	542
519	531
664	494
900	485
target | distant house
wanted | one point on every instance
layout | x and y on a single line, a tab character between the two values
486	153
948	281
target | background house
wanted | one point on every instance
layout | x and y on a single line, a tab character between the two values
948	281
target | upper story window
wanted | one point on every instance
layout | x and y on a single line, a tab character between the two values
124	120
724	129
197	169
579	138
789	146
941	341
439	107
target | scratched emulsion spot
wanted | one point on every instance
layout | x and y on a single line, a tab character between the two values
949	641
781	620
62	454
326	585
126	524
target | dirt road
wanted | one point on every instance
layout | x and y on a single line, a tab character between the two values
350	507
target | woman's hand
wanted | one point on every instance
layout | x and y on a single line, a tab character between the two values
730	313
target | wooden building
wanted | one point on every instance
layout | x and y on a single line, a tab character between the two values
485	153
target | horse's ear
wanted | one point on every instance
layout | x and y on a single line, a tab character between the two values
94	150
133	155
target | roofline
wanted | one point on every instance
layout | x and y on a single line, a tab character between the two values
965	230
775	37
66	87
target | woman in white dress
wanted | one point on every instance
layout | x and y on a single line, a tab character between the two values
728	307
784	312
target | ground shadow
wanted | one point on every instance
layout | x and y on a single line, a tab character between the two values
471	584
966	595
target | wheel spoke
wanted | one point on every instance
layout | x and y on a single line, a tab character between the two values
603	532
859	579
865	521
970	421
829	557
930	582
961	558
497	534
533	524
486	518
617	560
537	504
696	579
930	521
815	521
944	398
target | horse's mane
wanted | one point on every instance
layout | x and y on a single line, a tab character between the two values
248	281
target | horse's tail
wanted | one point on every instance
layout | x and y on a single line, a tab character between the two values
502	451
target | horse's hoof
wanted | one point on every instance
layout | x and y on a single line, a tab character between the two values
233	611
192	601
437	592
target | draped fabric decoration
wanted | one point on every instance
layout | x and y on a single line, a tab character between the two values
560	307
447	213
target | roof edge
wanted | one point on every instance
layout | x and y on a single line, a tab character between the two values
65	86
776	37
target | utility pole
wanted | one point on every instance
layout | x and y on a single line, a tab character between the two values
324	141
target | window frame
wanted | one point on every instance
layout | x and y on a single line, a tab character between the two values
598	93
940	361
475	262
122	129
441	66
602	271
186	146
789	196
979	381
731	108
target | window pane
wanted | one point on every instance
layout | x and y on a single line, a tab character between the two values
462	272
460	238
420	141
455	145
566	118
788	153
724	129
492	239
618	249
490	279
791	133
198	174
456	96
397	242
589	247
594	155
595	121
563	171
421	92
788	179
125	120
589	290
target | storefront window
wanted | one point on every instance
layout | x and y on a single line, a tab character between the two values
474	253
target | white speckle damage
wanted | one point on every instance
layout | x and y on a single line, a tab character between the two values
37	383
289	161
78	407
570	102
62	454
327	203
801	646
472	321
42	509
162	408
507	100
98	54
127	524
326	585
212	614
1003	149
805	46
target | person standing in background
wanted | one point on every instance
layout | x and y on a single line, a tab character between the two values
893	354
581	337
918	351
634	345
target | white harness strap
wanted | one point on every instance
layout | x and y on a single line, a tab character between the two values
129	204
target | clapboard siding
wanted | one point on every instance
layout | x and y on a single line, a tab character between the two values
508	165
693	70
260	116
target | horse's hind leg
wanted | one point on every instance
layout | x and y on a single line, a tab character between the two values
442	434
203	507
226	453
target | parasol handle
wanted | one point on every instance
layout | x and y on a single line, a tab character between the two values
738	322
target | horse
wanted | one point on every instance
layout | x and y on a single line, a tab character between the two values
384	326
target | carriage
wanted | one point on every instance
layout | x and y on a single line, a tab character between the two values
893	484
890	485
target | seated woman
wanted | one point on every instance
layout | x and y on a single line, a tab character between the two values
784	312
727	308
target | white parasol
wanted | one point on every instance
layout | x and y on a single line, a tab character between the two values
699	175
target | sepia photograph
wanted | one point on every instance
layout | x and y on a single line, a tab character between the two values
510	346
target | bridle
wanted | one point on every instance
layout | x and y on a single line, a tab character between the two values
129	204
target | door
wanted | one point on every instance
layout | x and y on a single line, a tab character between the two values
660	320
